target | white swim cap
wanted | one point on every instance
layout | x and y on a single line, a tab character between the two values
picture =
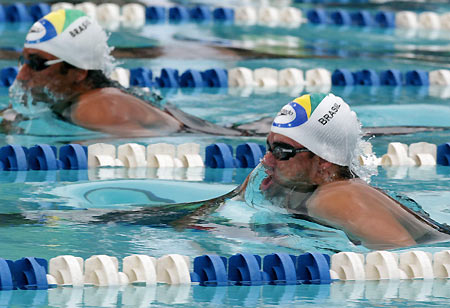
322	123
73	37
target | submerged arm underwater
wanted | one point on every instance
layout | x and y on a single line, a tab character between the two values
248	211
366	215
179	215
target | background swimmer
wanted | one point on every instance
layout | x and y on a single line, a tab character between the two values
65	63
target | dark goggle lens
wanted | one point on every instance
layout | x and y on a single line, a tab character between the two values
281	152
36	63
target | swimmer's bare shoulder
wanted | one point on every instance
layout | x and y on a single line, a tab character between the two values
112	110
361	211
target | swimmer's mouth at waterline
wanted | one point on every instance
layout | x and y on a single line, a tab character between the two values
268	180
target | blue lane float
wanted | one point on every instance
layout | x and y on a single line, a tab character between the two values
192	79
155	13
2	13
362	19
178	14
169	78
385	19
245	269
225	15
391	78
341	18
216	78
43	157
219	155
8	75
31	273
342	77
367	78
314	268
13	158
18	12
39	10
417	78
249	154
141	77
317	16
443	154
73	157
210	270
201	13
6	277
280	268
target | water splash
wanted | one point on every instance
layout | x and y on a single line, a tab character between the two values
22	100
109	62
365	172
255	197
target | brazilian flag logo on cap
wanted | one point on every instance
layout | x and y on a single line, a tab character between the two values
298	111
52	25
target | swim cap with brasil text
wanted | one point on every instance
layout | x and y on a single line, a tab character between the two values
324	124
72	36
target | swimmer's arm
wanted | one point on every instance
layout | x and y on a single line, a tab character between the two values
362	218
243	186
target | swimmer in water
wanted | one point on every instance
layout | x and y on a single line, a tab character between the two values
310	169
65	63
310	172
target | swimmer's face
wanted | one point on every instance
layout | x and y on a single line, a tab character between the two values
294	171
41	79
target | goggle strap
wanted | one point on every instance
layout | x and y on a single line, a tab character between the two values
51	62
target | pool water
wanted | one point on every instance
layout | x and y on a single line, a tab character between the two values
81	213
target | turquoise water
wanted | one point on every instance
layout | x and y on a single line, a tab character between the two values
46	214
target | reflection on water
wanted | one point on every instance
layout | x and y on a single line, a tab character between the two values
192	174
404	293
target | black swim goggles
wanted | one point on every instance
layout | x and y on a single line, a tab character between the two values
284	151
37	63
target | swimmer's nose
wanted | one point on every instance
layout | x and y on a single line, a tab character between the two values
24	73
268	160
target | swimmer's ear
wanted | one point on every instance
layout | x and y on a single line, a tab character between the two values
323	164
80	75
325	171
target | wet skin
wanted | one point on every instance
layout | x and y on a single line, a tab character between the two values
351	205
109	110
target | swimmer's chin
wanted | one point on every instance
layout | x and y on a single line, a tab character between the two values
267	182
272	184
